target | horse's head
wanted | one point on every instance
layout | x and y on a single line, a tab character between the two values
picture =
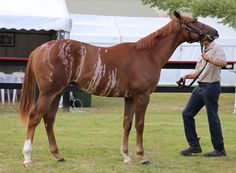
194	30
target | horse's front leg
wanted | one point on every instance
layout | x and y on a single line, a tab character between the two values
127	124
140	105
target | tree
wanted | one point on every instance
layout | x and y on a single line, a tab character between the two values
222	9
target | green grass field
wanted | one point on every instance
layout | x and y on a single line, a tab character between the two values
90	139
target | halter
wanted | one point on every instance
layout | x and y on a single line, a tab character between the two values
201	37
190	30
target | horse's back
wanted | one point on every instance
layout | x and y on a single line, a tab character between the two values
106	71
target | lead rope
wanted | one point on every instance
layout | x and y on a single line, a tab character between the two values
181	81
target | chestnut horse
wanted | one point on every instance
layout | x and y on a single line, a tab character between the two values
129	70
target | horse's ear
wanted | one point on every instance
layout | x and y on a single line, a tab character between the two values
177	15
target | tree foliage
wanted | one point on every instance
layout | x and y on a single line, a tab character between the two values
222	9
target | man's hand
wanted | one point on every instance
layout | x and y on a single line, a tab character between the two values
181	82
205	57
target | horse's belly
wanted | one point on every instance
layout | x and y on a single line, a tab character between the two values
108	91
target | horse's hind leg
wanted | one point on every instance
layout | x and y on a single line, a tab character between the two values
140	105
49	119
35	117
127	124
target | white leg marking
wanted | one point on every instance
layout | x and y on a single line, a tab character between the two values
27	149
126	157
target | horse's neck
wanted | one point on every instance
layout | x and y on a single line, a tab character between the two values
166	47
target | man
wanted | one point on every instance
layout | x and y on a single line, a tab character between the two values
205	94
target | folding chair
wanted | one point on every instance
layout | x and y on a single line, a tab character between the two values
18	77
3	80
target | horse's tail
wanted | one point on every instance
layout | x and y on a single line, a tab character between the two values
27	98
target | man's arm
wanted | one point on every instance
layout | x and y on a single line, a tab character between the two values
216	61
190	75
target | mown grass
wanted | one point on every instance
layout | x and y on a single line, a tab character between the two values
90	139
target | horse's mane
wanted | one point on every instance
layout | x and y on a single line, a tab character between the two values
152	39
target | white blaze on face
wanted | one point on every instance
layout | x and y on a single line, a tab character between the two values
82	53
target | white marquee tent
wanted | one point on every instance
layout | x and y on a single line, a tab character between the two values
111	30
37	15
26	24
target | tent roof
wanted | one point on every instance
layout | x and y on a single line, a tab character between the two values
108	30
36	15
111	30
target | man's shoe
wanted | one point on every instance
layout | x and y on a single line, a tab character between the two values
215	153
191	150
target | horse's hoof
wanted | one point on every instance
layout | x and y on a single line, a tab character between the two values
27	164
61	160
126	157
127	160
146	162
